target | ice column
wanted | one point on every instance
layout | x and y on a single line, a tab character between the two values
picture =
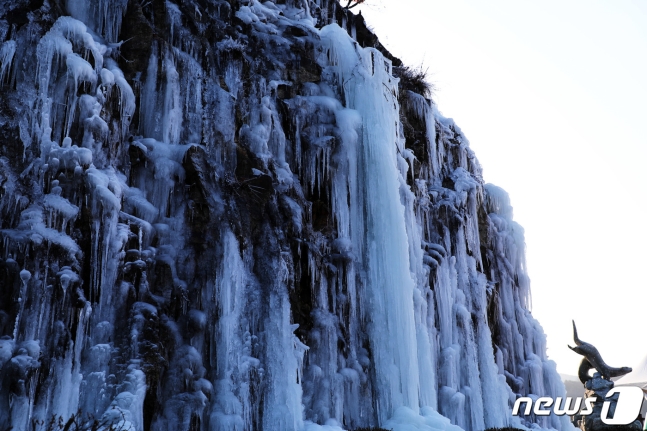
370	89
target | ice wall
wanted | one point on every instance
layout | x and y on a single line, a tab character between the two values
229	215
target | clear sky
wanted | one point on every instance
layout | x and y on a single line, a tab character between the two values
552	96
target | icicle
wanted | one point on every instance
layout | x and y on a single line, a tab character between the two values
7	51
230	412
172	113
104	16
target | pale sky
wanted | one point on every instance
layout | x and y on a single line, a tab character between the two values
552	96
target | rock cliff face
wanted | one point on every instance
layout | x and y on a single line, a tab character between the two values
232	215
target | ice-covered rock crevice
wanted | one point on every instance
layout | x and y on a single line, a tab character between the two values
229	215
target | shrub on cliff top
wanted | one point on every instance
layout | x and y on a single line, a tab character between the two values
414	80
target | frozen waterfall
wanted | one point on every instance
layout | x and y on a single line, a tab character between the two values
231	215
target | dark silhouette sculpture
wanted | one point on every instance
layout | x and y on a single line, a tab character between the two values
592	359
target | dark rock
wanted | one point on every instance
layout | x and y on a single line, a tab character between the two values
137	35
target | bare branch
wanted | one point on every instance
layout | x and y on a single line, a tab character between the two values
353	3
